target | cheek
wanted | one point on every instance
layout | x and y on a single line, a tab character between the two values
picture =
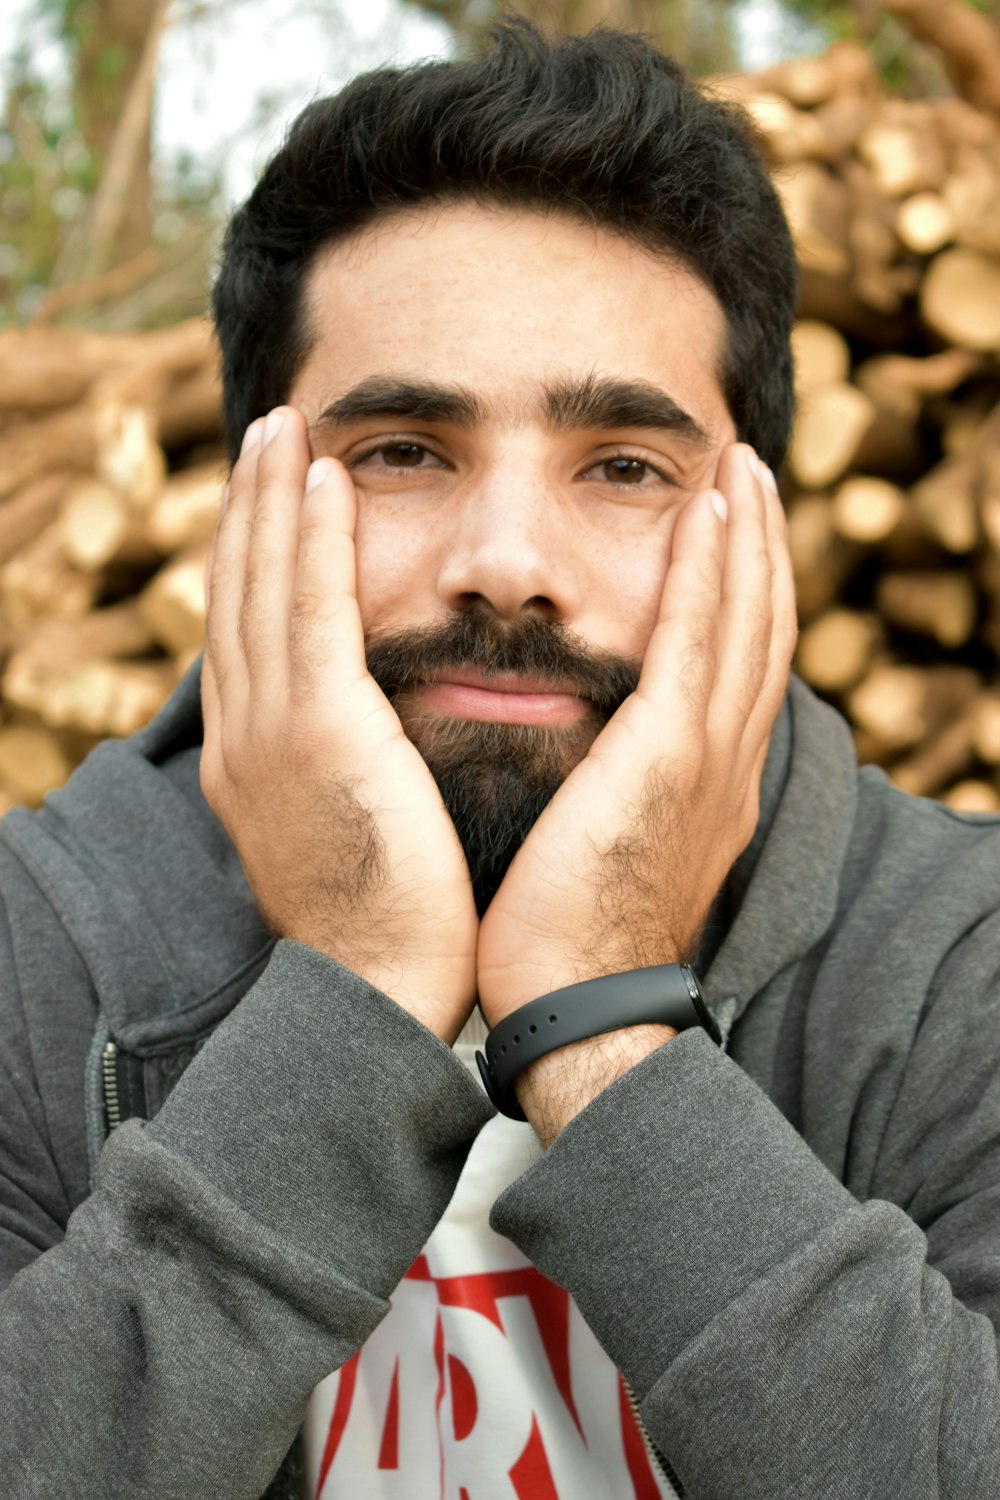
632	579
395	566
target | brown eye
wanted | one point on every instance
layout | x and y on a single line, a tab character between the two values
402	455
625	470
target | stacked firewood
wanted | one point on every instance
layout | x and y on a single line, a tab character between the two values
892	483
112	463
112	468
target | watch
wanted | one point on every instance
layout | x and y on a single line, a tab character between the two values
665	995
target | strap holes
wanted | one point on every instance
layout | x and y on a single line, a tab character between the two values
516	1040
532	1029
552	1020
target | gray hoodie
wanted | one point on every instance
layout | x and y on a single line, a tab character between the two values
789	1247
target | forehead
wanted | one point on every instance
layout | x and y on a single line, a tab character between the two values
504	302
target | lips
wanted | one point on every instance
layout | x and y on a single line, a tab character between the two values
504	698
503	682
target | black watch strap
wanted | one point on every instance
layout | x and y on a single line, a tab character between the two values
667	995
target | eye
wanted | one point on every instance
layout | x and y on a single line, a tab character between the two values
401	455
627	471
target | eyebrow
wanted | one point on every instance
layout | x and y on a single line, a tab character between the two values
593	401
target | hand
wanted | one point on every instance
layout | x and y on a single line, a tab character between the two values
620	870
341	831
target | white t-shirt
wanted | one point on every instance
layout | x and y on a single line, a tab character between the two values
483	1382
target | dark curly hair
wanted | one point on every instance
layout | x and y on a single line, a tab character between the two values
604	127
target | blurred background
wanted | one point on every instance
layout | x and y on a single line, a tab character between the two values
128	132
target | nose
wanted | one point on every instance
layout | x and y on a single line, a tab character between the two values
513	545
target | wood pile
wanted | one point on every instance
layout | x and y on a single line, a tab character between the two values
112	467
892	483
112	463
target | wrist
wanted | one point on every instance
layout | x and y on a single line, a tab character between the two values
433	996
553	1090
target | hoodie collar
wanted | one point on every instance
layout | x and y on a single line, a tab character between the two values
784	888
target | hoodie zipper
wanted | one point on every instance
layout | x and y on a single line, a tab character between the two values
112	1102
651	1448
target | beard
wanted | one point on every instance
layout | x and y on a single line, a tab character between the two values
496	779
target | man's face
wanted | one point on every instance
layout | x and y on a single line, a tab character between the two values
524	403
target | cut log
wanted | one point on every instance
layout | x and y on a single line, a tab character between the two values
960	298
187	511
828	297
867	510
818	206
902	159
821	355
944	501
831	422
842	121
788	134
941	605
949	754
901	705
972	797
961	125
838	427
98	697
96	527
822	561
129	456
889	705
173	603
43	368
971	193
834	652
805	81
986	730
25	515
925	223
899	382
64	441
39	582
32	762
117	631
191	409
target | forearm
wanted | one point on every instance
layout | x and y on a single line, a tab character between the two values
783	1339
236	1249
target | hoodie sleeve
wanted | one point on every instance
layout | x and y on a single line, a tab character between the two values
236	1249
783	1339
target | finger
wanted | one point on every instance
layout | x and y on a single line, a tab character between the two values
210	559
746	613
272	543
223	647
683	647
325	635
785	629
211	717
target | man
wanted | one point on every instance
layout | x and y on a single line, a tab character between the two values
496	703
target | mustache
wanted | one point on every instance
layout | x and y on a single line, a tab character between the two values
475	638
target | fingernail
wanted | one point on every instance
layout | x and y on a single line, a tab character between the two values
252	436
225	501
719	504
754	464
769	478
273	425
317	473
